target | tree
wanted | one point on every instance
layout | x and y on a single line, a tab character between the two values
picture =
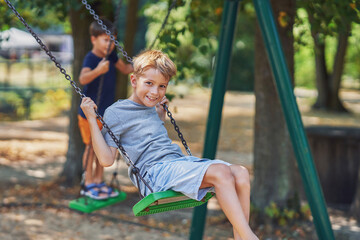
131	27
45	14
72	169
274	164
330	18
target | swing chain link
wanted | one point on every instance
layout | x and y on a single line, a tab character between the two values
101	83
177	129
107	31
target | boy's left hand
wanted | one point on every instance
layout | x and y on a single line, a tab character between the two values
88	106
160	108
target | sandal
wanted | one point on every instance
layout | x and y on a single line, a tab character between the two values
93	191
107	189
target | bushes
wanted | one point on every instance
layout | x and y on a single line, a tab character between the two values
34	103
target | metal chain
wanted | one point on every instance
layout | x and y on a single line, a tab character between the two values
82	95
101	83
108	32
96	17
42	45
173	4
67	76
177	129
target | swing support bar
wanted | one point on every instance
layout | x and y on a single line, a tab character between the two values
291	112
217	100
293	119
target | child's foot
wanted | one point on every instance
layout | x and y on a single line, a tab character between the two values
107	190
93	191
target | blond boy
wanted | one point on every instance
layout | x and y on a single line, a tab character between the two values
138	121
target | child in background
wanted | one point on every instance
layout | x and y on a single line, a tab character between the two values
139	122
94	66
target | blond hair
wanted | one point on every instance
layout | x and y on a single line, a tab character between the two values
154	59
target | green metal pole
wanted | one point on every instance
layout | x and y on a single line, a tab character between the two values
216	104
293	119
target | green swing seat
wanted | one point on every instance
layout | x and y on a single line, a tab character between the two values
88	205
166	201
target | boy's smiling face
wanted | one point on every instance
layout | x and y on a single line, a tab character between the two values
149	88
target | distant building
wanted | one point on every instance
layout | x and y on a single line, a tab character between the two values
17	44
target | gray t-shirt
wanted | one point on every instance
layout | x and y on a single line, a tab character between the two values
141	133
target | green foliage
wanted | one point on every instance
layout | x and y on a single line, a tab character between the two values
189	42
326	23
352	66
39	13
14	105
241	75
49	104
191	38
331	16
284	216
11	106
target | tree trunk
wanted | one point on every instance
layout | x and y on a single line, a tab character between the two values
321	71
274	163
338	68
131	26
328	85
80	22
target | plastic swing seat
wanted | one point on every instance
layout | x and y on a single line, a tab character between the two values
88	205
166	201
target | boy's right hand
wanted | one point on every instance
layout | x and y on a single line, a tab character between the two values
103	66
88	106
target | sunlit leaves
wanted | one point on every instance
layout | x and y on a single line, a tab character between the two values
39	13
331	16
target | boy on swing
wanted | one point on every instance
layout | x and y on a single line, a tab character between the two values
96	66
139	123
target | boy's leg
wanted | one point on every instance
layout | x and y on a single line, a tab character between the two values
242	183
88	161
88	164
99	171
220	176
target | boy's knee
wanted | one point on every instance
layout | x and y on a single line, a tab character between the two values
242	176
222	173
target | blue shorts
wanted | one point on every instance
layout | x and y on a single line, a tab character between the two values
183	175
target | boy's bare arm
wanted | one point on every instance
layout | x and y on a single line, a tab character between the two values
123	67
87	75
104	153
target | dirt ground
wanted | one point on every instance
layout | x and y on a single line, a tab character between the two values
32	154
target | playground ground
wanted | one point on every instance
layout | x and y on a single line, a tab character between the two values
32	154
